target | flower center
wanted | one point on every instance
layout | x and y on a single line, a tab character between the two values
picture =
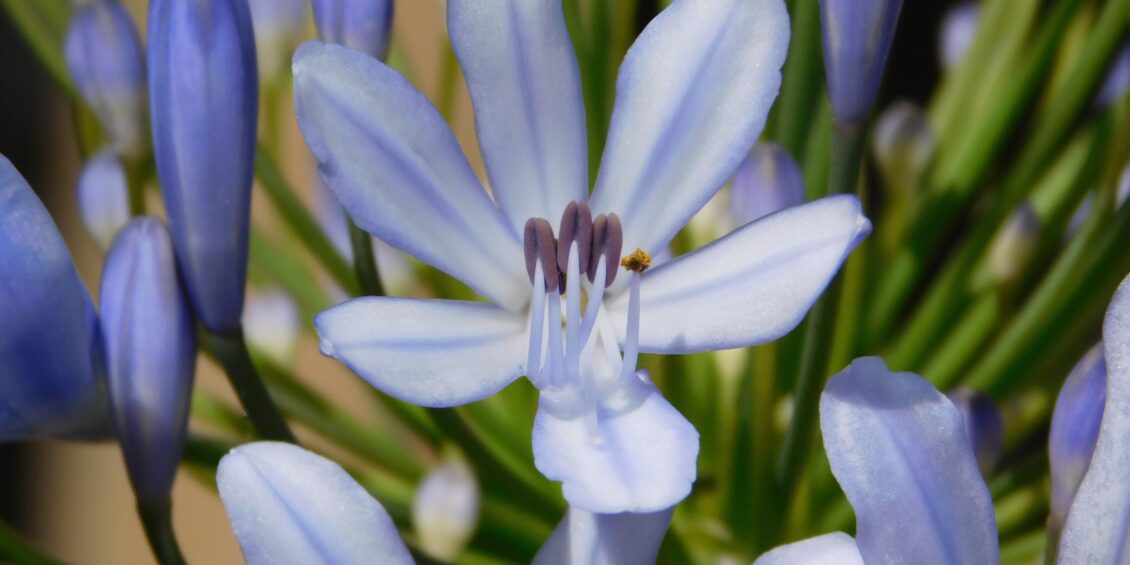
564	340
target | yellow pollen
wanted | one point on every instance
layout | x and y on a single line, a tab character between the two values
638	261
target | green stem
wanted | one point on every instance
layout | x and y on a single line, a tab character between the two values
231	351
364	262
848	142
157	519
800	83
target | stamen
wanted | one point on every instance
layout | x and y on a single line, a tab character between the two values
576	227
541	248
573	317
537	325
554	361
632	335
607	242
596	296
639	261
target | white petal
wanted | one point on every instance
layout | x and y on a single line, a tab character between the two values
752	286
287	505
395	166
836	548
523	79
692	97
1098	524
584	538
427	352
644	460
899	450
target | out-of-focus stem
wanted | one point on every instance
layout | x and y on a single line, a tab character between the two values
157	520
364	262
231	351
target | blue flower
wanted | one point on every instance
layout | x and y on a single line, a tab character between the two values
857	40
204	94
150	354
363	25
103	196
50	347
693	95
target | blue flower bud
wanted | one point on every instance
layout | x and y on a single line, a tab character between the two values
203	89
857	39
1075	428
278	25
103	196
364	25
446	510
51	378
983	426
959	26
1014	245
903	144
271	324
766	182
150	354
105	57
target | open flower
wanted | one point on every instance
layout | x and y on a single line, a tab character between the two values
692	97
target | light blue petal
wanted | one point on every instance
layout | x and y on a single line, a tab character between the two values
898	448
288	505
150	339
203	94
363	25
50	359
1075	429
836	548
1098	524
103	196
692	97
395	166
644	459
427	352
752	286
584	538
523	79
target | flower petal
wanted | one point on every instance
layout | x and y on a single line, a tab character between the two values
692	97
288	505
523	78
50	363
643	461
836	548
1075	429
395	166
427	352
752	286
584	538
898	448
1099	519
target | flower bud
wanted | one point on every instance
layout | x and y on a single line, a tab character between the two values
103	196
278	26
50	348
1117	81
766	182
446	510
1014	245
364	25
150	354
903	144
271	324
959	26
203	90
1075	429
983	425
857	39
105	57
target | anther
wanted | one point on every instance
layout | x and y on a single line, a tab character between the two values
576	225
638	261
607	242
540	246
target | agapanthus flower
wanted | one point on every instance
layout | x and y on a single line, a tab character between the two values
692	97
1074	430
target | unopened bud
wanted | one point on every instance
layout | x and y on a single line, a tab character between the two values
1014	245
446	510
768	181
103	196
983	426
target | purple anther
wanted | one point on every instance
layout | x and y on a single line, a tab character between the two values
576	225
607	240
540	246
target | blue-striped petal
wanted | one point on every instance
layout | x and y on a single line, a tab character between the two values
692	97
836	548
524	81
584	538
898	448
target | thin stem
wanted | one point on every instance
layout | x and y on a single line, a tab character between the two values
364	262
157	519
231	351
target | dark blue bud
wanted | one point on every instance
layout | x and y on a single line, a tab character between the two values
768	181
364	25
857	39
983	426
51	377
105	57
1075	429
203	88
